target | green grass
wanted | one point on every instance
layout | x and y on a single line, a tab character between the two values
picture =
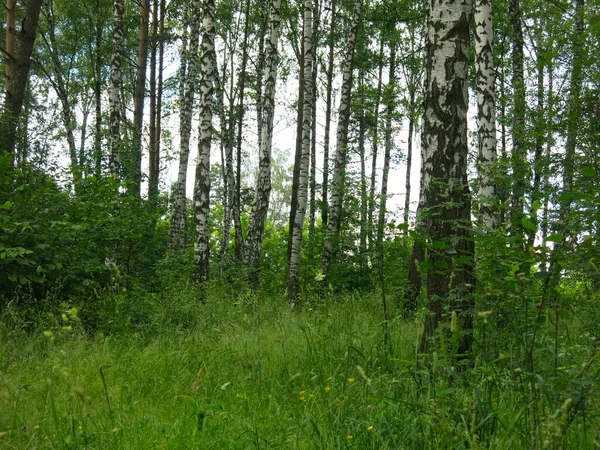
257	375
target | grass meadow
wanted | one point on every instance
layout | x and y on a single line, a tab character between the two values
172	374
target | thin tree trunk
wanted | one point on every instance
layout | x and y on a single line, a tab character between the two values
411	127
19	48
299	139
208	65
364	201
160	87
260	207
154	157
447	205
375	150
187	89
97	62
115	87
326	139
539	163
519	151
384	182
302	196
313	126
486	113
339	171
139	94
236	205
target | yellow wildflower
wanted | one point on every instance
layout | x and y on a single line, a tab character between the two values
351	380
327	389
350	436
370	428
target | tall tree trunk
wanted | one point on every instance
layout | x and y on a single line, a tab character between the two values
412	106
302	196
154	157
339	170
364	201
313	139
326	139
115	88
447	206
236	204
486	113
97	60
519	151
573	118
375	149
390	100
208	65
187	89
139	94
160	87
260	207
19	45
299	141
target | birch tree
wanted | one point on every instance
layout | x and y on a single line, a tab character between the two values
307	106
208	66
187	87
260	207
115	87
486	111
339	171
19	47
446	200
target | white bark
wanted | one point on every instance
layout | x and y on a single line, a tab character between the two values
339	170
208	65
187	88
486	112
307	106
263	186
115	86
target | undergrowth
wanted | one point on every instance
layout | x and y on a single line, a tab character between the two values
246	372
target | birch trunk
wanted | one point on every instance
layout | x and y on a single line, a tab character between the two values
447	206
20	42
375	149
260	207
307	106
486	112
236	200
326	139
154	157
187	89
208	66
139	94
115	88
519	152
339	171
313	126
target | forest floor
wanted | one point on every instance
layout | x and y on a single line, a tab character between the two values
256	375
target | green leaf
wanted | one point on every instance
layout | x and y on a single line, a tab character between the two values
439	244
441	265
536	205
463	260
588	171
426	266
555	238
402	226
528	224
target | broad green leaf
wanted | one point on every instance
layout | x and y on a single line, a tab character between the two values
528	224
555	238
536	205
441	265
588	171
439	244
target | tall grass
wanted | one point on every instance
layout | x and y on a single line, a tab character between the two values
250	373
